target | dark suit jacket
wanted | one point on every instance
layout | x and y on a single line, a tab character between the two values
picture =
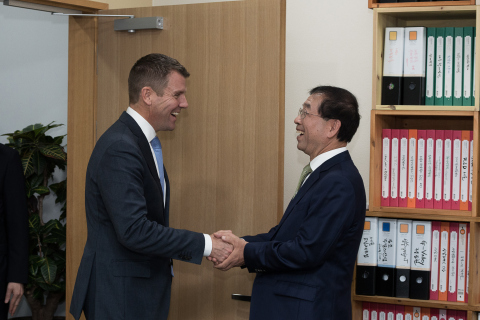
125	269
13	223
305	264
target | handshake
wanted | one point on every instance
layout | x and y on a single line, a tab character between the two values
227	250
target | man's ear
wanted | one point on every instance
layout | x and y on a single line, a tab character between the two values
335	125
146	95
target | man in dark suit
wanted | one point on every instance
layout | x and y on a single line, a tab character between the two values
13	230
305	264
126	269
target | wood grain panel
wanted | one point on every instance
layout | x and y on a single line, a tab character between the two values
225	157
81	128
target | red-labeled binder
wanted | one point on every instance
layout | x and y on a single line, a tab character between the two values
465	170
394	167
386	141
403	167
435	264
412	168
430	169
438	182
421	167
447	169
453	263
456	168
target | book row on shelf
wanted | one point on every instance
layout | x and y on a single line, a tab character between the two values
414	259
377	311
429	66
427	169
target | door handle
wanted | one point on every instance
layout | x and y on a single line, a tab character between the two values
241	297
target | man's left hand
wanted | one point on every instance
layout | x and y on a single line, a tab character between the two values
236	257
13	295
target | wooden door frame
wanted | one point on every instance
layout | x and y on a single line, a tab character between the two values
81	129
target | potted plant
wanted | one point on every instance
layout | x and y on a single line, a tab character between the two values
40	155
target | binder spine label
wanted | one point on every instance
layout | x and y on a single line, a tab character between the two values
448	66
394	174
411	168
467	63
443	261
367	253
464	176
447	170
439	69
438	169
435	256
421	169
430	66
429	170
457	92
456	170
385	167
471	172
403	167
462	254
452	269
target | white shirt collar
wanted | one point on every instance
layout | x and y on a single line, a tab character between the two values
146	127
321	158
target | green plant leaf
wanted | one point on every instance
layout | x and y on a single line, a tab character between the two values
49	270
41	190
53	151
27	163
34	224
34	263
38	162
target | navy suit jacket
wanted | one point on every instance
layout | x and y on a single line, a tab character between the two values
125	272
13	223
305	264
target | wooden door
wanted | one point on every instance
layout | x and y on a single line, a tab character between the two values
225	157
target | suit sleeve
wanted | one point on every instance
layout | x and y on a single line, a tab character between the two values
120	181
16	216
329	212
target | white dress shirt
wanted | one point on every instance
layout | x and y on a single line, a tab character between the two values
321	158
150	133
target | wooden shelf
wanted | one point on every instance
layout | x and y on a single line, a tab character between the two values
427	14
426	108
423	214
417	303
374	4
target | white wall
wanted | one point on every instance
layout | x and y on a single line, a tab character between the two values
33	80
327	43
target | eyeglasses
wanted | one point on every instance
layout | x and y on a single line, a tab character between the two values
303	113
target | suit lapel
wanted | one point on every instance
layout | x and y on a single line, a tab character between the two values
167	202
312	179
144	146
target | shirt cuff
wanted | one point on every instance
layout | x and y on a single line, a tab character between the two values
208	245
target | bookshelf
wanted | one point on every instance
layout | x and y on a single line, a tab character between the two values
423	117
375	4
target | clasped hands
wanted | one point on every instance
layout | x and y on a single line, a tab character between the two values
227	250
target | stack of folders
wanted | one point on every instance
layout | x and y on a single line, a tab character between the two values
426	260
373	311
430	169
429	66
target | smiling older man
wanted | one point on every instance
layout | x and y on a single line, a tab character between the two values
305	264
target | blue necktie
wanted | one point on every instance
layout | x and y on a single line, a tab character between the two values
157	148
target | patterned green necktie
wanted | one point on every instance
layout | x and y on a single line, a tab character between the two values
305	172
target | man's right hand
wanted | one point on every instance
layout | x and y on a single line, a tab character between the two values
220	250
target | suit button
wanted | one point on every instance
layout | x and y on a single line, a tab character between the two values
188	258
